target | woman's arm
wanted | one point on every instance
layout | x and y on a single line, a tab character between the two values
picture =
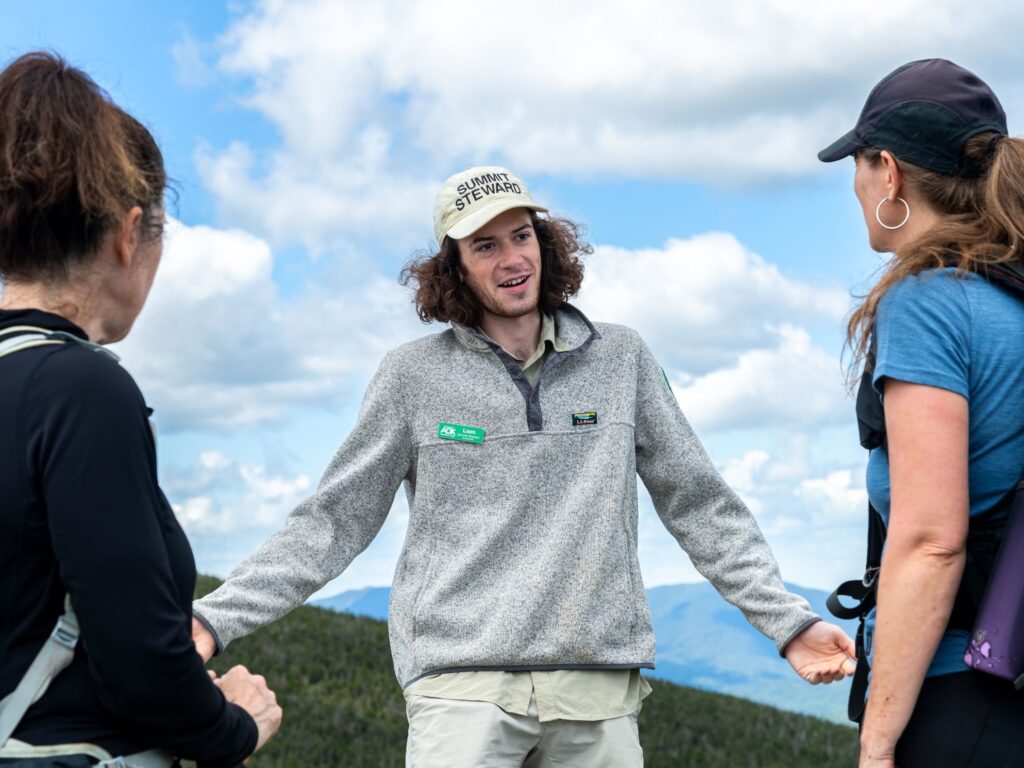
927	430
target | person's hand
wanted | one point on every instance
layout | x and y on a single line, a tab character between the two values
250	692
203	640
822	653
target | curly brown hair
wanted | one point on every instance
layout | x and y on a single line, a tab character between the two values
982	224
442	293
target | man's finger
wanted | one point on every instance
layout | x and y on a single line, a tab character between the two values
848	646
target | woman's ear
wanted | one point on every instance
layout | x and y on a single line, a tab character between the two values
893	175
127	236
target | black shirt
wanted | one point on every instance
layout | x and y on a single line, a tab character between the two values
81	514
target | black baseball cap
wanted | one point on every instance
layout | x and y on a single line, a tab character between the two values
923	113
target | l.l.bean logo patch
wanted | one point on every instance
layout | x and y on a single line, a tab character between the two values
461	432
584	418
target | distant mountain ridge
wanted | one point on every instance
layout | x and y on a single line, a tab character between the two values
701	641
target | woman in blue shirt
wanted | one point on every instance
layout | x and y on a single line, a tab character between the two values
942	189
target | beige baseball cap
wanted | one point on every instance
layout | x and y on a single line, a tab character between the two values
471	198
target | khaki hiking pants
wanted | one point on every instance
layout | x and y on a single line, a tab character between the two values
448	733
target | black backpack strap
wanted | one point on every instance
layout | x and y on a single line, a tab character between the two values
1009	274
870	412
864	592
984	536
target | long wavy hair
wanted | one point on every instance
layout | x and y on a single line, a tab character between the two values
442	293
982	224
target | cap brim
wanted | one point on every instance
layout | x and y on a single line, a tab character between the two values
842	147
477	219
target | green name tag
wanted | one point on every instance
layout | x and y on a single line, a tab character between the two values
460	432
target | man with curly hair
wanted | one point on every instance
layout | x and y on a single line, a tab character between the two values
518	618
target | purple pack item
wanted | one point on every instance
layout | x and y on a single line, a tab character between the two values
997	642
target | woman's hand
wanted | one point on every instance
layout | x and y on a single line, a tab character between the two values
822	653
203	640
251	693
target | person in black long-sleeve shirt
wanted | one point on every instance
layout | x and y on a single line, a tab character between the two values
81	512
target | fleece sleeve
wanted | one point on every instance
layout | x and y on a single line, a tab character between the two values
123	561
705	516
324	533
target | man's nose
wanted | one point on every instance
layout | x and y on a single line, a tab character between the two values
509	255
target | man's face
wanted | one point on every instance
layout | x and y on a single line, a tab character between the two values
501	262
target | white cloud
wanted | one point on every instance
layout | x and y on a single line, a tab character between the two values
700	302
376	102
293	200
839	496
218	347
237	496
808	508
794	385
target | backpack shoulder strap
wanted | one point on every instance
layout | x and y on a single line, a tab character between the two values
19	337
52	659
59	648
1008	274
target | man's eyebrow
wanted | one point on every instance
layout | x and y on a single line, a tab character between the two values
518	229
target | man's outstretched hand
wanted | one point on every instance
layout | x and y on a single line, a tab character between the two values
822	653
205	645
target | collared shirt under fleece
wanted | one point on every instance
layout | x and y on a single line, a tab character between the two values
521	549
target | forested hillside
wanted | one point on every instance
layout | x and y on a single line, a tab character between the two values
343	707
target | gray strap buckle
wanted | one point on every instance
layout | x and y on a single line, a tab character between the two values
65	633
870	577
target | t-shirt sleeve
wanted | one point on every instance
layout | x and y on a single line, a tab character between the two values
96	465
922	333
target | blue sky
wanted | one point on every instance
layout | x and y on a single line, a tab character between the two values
307	139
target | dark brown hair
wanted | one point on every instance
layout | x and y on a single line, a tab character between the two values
982	223
72	163
442	293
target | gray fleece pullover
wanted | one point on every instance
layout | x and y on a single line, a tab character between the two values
521	550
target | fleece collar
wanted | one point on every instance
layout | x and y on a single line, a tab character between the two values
574	329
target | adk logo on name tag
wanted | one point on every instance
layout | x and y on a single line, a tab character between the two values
461	432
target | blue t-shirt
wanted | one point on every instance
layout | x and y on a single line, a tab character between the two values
966	335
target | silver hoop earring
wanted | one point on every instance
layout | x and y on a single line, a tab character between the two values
878	209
